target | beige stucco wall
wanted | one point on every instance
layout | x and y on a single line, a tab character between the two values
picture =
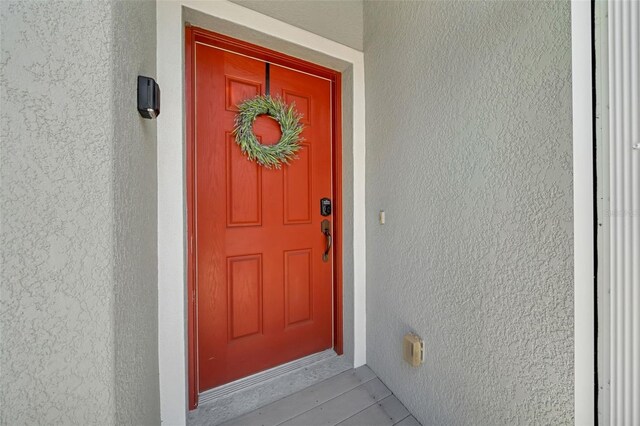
78	320
337	20
469	152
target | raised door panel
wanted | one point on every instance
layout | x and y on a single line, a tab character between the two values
298	286
301	102
244	187
244	282
298	187
238	90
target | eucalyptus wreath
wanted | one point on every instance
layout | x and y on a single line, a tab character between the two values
269	156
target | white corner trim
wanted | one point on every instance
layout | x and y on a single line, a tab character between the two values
581	63
172	344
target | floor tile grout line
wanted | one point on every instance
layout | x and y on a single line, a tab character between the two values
393	393
408	415
331	399
368	406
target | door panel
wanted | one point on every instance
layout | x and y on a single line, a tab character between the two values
298	286
264	295
244	287
244	187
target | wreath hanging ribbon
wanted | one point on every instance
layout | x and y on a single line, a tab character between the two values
270	156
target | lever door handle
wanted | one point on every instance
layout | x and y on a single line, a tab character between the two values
326	230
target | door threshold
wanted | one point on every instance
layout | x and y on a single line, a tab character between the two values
263	376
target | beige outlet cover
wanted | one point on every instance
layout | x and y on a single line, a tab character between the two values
412	349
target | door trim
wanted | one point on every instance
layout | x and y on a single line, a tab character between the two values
194	35
583	213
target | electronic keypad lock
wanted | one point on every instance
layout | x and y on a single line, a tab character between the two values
325	207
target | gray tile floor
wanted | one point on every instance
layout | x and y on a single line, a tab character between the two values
353	397
263	393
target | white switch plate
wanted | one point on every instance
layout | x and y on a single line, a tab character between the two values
382	217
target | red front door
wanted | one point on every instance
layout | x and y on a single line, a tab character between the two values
263	291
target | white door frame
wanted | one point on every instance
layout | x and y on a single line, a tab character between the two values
172	311
583	210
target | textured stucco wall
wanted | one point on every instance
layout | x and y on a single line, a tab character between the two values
78	215
339	21
469	153
135	218
57	205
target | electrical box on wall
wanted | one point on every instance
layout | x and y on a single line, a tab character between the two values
413	349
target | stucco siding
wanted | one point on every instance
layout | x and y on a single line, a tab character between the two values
57	205
135	219
469	152
339	21
78	318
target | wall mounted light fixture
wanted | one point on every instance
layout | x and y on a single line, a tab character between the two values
148	97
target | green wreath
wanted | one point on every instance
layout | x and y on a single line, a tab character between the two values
269	156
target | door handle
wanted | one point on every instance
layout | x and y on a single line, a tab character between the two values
325	226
